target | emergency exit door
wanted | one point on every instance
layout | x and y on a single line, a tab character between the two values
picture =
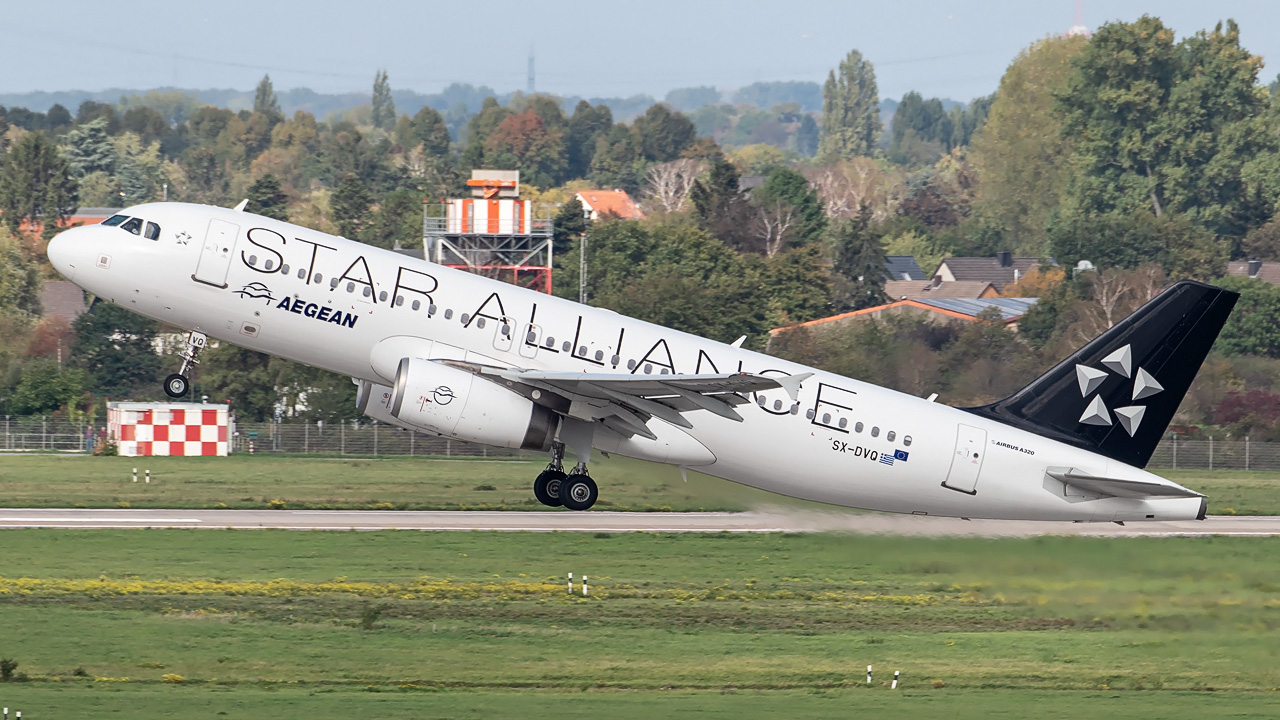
966	462
215	255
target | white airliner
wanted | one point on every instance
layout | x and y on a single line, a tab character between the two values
445	352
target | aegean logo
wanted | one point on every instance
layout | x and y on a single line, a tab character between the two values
443	395
256	291
1120	363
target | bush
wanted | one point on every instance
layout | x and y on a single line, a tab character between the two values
173	678
7	666
370	616
486	487
277	504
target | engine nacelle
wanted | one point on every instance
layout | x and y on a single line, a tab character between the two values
444	400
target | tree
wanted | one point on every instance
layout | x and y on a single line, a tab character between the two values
265	100
36	185
146	123
524	142
266	198
117	348
850	110
429	128
89	148
615	162
479	127
786	187
858	263
19	281
692	98
662	135
384	108
243	378
570	223
1022	153
58	117
206	177
921	131
1167	127
807	136
46	387
1254	325
720	207
669	183
91	110
585	127
1115	240
350	204
397	222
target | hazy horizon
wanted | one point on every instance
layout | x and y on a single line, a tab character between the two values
945	48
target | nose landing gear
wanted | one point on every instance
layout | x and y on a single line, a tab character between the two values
555	488
177	384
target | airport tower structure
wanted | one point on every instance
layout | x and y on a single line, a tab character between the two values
492	233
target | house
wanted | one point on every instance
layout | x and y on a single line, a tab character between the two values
930	289
935	310
608	203
1000	270
1268	272
903	267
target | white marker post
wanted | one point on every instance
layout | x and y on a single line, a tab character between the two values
135	479
570	583
868	674
584	586
894	686
148	476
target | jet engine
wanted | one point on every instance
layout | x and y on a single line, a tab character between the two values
443	400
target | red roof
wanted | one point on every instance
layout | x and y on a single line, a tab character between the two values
609	202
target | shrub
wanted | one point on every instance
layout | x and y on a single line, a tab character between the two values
370	616
7	666
173	678
277	504
485	486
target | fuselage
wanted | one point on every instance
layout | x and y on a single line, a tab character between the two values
352	309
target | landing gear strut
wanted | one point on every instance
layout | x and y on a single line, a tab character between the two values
547	487
555	488
177	385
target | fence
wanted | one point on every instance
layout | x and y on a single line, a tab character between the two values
45	434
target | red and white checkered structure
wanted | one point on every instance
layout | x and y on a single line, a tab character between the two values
168	429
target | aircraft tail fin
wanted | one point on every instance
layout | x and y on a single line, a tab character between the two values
1116	395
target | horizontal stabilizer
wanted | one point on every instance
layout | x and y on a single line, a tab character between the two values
1115	487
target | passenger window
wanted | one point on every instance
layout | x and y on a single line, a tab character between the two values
858	427
891	436
115	220
906	440
133	225
875	432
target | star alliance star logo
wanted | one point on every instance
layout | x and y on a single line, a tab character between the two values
183	237
1119	362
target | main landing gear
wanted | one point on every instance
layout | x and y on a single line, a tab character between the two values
554	488
177	385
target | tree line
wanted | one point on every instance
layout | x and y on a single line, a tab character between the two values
1151	157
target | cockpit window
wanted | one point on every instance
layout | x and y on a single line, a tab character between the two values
133	225
115	220
152	231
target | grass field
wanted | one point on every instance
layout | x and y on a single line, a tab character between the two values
245	481
155	623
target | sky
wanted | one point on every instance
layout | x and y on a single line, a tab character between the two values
944	48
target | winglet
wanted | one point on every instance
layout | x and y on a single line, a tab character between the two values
791	384
241	205
738	343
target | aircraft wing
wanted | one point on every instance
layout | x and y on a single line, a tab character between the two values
625	402
1116	487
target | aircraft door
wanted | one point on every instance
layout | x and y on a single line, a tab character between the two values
532	336
966	462
504	334
215	256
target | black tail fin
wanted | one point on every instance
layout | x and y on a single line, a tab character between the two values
1116	395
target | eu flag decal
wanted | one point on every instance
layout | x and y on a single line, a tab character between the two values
900	455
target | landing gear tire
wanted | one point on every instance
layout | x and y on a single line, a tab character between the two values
176	386
547	487
578	492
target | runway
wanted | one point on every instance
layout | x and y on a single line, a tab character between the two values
764	521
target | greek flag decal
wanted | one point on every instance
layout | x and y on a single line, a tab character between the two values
886	459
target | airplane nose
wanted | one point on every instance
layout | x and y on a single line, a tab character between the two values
62	253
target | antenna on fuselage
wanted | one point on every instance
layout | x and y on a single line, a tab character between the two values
241	205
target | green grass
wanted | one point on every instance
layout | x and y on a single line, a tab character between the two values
479	624
245	481
144	702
